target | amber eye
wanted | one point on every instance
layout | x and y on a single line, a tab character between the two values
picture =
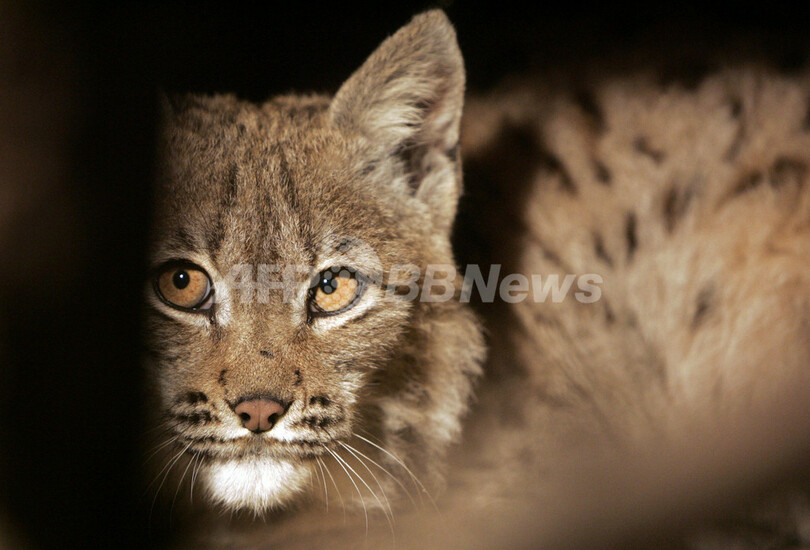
334	290
184	286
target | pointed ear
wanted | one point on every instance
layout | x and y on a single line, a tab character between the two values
407	98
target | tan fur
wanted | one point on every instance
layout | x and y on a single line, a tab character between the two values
693	207
714	285
290	183
679	390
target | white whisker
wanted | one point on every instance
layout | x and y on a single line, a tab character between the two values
194	472
370	490
404	466
357	454
323	477
340	496
179	485
392	476
359	493
167	469
157	448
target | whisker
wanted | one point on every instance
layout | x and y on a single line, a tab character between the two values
157	448
392	476
370	490
165	423
168	469
359	493
340	496
168	464
404	466
357	454
179	485
197	465
323	477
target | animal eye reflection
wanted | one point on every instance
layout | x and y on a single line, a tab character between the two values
334	290
184	286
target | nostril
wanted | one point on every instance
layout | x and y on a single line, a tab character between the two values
259	414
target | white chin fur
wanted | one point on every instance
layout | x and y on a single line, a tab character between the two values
256	484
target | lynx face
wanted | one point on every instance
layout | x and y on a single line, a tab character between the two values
277	336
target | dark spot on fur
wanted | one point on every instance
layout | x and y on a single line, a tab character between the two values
215	233
641	145
599	249
192	398
241	129
590	108
197	418
368	168
452	153
736	107
631	234
602	173
542	318
221	378
298	378
182	239
285	177
676	203
787	172
310	110
551	255
736	112
204	439
231	187
266	353
407	434
552	164
784	173
610	317
748	183
319	422
321	400
703	304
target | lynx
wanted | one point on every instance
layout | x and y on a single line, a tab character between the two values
263	382
292	353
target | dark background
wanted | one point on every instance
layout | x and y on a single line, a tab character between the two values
77	126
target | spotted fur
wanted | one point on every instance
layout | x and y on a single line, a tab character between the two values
689	199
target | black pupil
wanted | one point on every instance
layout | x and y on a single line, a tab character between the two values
328	284
181	279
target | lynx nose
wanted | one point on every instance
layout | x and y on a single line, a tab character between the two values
259	414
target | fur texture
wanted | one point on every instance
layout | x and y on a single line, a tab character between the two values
689	371
366	181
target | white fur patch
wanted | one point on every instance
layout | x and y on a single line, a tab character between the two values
257	484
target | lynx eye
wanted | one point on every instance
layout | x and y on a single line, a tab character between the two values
184	286
334	290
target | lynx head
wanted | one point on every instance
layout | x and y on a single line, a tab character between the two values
282	332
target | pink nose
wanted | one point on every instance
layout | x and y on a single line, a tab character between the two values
259	415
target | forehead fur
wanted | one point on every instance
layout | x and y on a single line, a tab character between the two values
275	182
